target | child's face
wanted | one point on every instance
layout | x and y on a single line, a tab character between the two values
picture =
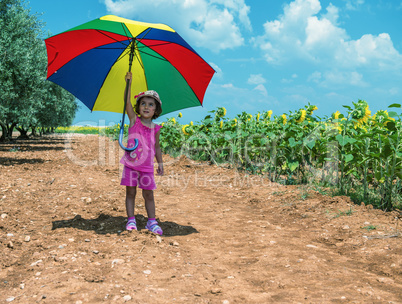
147	107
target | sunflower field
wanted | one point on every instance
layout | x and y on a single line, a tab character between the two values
78	129
357	154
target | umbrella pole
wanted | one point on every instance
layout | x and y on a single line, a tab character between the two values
121	134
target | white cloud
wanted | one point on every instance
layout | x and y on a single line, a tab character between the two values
288	32
370	50
261	88
302	33
239	7
213	24
296	99
297	10
315	77
337	78
228	86
353	78
354	4
256	79
293	77
332	14
320	34
236	99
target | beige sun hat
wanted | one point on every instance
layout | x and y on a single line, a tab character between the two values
150	93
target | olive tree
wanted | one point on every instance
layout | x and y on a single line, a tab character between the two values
19	78
25	94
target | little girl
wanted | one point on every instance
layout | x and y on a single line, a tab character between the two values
138	164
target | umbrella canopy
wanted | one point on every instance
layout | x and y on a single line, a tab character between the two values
91	60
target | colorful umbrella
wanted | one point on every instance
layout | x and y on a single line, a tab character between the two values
91	60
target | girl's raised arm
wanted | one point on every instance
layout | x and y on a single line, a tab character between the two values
129	107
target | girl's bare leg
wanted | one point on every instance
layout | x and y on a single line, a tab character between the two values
152	224
130	200
148	196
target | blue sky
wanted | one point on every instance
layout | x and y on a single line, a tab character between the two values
269	55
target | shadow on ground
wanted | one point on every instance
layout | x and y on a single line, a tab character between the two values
107	224
8	161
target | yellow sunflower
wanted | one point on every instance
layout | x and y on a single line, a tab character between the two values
310	109
221	112
366	116
284	119
269	114
336	115
302	116
184	130
382	117
361	113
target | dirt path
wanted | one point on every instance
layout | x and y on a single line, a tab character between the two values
229	237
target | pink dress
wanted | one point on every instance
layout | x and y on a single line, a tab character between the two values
142	158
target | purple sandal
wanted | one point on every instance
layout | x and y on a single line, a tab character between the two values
154	227
131	224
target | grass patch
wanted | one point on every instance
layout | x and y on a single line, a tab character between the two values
369	227
304	192
344	213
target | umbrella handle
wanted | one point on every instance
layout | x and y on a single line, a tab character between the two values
121	138
121	141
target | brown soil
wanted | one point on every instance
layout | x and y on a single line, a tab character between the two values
228	237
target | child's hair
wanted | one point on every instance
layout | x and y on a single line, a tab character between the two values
158	108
